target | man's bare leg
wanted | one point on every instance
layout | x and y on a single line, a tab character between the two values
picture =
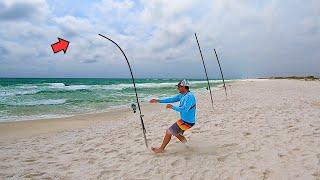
181	138
166	140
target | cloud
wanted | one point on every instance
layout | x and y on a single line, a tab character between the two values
253	38
3	51
23	10
90	61
71	26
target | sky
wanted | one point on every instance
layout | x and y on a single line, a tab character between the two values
253	38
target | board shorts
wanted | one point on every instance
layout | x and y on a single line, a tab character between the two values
179	127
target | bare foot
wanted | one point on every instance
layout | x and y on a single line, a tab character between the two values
157	150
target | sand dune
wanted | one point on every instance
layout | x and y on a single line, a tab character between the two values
266	129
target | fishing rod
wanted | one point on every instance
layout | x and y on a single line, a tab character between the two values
224	84
135	89
205	69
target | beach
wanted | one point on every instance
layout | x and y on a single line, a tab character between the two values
263	129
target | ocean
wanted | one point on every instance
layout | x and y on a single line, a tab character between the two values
43	98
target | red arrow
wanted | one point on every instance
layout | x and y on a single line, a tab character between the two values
62	45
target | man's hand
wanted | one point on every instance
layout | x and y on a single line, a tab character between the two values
169	106
154	101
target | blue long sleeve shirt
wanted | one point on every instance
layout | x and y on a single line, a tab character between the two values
187	107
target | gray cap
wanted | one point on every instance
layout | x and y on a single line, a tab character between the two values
183	83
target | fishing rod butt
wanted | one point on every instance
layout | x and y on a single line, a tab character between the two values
145	137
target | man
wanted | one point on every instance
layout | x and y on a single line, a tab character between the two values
187	110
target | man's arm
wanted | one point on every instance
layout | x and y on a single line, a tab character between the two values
170	99
166	100
184	107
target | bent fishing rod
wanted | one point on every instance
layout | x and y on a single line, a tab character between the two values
205	69
135	89
224	84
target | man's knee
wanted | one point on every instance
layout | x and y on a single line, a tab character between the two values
179	135
168	132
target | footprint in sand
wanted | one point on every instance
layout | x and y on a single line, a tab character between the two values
79	142
295	149
29	160
129	151
175	176
316	174
266	174
34	175
222	158
175	163
10	176
88	150
196	129
318	156
121	136
63	166
283	157
110	151
92	160
231	145
98	144
104	174
89	139
68	152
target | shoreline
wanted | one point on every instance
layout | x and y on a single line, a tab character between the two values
11	117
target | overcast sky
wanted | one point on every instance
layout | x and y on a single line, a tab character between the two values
253	38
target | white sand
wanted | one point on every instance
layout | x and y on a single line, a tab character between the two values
266	129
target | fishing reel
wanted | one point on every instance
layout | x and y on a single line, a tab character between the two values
134	107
